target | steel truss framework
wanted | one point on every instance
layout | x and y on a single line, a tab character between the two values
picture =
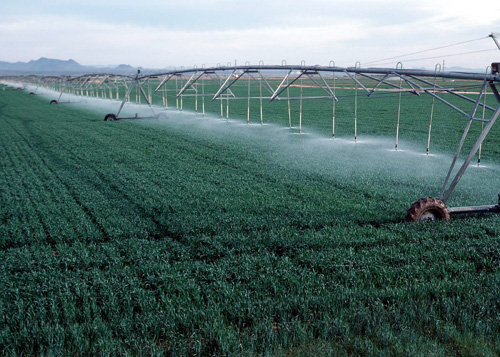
192	83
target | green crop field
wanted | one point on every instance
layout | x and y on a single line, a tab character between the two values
196	236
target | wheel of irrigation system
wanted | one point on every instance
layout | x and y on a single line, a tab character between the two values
428	209
110	117
32	93
53	101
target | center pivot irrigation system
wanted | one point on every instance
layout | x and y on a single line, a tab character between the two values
275	83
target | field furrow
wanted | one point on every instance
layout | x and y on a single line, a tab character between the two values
46	194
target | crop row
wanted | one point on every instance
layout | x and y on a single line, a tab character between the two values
181	237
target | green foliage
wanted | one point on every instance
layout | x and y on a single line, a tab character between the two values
141	237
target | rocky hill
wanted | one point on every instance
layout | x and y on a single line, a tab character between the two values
55	66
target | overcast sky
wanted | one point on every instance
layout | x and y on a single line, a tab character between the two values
157	34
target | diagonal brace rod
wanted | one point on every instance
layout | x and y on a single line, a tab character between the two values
358	82
190	83
279	91
444	195
225	87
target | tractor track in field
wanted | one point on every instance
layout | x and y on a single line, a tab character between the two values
161	230
47	188
23	217
22	181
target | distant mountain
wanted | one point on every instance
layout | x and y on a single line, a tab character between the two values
466	70
125	67
55	66
49	65
42	65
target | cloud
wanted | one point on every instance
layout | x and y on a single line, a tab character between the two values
156	34
98	43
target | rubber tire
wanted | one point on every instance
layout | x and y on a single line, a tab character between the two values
53	101
428	209
32	93
110	117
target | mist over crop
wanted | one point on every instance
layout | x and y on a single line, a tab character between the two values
370	162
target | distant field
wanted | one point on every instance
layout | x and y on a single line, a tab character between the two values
196	236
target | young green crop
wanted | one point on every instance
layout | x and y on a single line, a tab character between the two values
193	236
